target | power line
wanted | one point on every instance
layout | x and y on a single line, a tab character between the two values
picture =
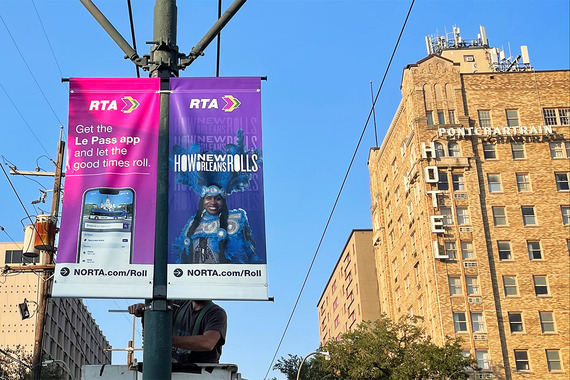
13	241
22	116
17	195
47	39
130	10
30	71
340	190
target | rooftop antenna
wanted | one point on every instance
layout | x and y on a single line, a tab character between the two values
429	46
484	40
524	53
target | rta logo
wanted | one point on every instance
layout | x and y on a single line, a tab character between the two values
232	103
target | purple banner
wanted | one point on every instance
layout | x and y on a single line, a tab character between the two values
106	243
216	209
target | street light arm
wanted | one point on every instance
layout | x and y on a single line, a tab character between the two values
324	353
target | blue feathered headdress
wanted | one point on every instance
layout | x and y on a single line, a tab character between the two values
224	175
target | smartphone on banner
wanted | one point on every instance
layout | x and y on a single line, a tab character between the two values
106	226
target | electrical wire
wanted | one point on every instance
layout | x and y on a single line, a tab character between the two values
22	116
340	190
30	71
133	33
49	44
6	232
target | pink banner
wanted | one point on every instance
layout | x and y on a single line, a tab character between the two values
106	242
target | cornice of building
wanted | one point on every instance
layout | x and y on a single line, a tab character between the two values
355	230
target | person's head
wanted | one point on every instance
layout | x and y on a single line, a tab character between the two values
213	204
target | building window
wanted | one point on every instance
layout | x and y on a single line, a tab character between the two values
467	250
407	284
333	287
429	116
482	357
553	360
447	215
489	151
458	181
559	149
540	285
556	116
484	119
443	183
395	267
547	322
510	286
463	216
455	286
512	118
440	117
523	182
534	252
516	322
336	322
521	360
459	322
494	183
439	151
335	304
504	247
562	181
472	283
453	149
565	210
451	249
477	322
499	216
404	255
451	116
517	149
529	217
398	296
394	168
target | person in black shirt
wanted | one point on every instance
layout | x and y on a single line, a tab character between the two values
199	330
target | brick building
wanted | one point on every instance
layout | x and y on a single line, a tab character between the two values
71	334
351	293
471	207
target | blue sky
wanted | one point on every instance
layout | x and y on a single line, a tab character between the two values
319	57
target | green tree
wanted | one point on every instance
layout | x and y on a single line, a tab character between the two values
312	368
15	364
383	350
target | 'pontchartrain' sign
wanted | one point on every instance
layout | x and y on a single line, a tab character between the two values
458	132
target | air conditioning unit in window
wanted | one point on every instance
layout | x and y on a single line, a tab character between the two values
460	195
479	336
466	229
469	264
474	299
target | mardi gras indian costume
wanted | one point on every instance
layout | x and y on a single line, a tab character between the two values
215	234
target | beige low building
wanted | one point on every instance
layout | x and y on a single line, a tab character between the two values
71	333
471	207
351	293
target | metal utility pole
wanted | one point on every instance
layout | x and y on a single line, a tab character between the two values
158	315
164	62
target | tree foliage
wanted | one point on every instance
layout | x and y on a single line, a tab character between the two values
382	350
15	364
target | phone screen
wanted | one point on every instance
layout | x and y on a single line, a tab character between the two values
106	230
